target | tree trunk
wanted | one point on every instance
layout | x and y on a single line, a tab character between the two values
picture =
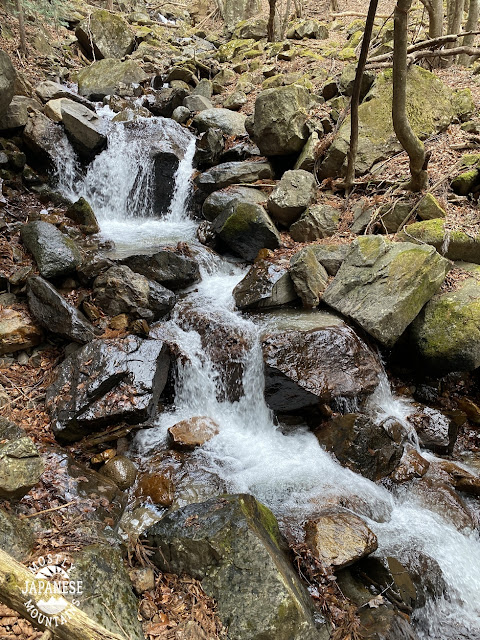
404	132
75	625
21	28
110	5
435	17
271	21
454	15
357	86
471	25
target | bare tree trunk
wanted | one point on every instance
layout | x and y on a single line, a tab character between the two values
404	132
21	27
284	25
271	21
471	25
454	18
110	5
435	17
357	86
299	8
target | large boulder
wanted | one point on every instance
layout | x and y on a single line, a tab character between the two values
331	256
234	547
446	333
21	466
267	284
223	175
309	277
7	81
453	244
105	382
292	195
229	122
105	35
431	106
383	285
43	138
84	128
18	331
280	122
54	313
55	253
171	269
313	358
121	290
218	201
246	228
16	536
104	77
361	444
317	222
16	115
236	10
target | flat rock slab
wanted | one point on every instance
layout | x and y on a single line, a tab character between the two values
229	122
105	382
169	268
55	253
223	175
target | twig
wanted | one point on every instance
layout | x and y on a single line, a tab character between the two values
40	513
359	14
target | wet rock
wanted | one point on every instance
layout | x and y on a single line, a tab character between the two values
49	90
318	221
392	577
105	382
245	228
85	129
7	81
412	465
18	331
434	430
101	569
361	445
313	357
16	536
21	466
280	120
54	313
426	575
181	114
460	478
16	115
171	269
383	285
104	77
121	290
92	266
159	487
229	122
331	256
193	432
441	498
218	201
142	579
223	175
292	195
121	470
55	253
266	285
82	213
237	552
308	276
105	35
338	538
164	101
209	148
43	138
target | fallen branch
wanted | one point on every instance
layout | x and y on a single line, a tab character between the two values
418	55
40	513
73	625
358	14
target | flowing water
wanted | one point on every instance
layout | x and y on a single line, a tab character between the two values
287	470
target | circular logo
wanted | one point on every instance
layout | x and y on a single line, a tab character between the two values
51	592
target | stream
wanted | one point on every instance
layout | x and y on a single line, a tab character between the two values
284	468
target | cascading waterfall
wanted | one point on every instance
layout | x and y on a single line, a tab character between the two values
289	471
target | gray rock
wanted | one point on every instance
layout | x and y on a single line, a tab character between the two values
164	101
237	552
82	213
331	256
235	101
54	313
318	221
18	331
105	77
280	120
236	10
312	358
197	103
266	285
204	88
392	217
229	122
209	148
104	577
292	195
105	382
16	536
121	470
306	159
223	175
383	285
21	466
181	115
245	228
49	90
105	35
16	115
169	268
85	128
121	290
55	253
308	276
7	81
218	201
253	28
43	137
347	78
312	29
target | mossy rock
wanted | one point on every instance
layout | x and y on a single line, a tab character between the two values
347	53
232	49
465	182
446	334
454	245
105	35
429	208
103	78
